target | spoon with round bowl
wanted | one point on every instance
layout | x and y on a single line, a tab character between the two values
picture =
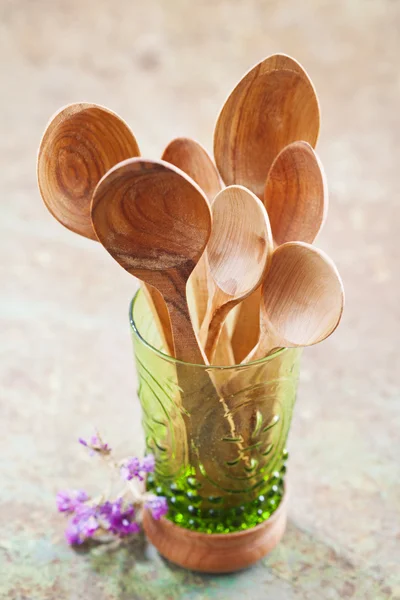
239	253
155	222
296	199
302	299
274	104
189	156
80	144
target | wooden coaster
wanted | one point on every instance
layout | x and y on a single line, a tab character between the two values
216	552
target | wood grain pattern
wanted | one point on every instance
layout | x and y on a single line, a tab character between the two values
296	199
216	552
239	253
302	299
194	160
273	105
296	194
155	221
190	156
80	144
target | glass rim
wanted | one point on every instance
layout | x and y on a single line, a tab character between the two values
173	360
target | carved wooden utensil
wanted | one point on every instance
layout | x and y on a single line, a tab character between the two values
302	299
155	222
239	253
296	199
273	105
296	195
193	159
80	144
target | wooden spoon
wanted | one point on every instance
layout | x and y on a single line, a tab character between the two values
273	105
296	194
302	299
239	253
193	159
155	221
296	199
80	144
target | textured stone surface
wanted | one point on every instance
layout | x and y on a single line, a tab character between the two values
66	362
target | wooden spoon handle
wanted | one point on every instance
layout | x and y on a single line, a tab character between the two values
186	344
223	355
200	284
266	343
246	326
212	325
160	315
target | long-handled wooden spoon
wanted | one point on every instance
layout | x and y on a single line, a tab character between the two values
189	156
80	144
302	299
155	222
273	105
296	199
239	253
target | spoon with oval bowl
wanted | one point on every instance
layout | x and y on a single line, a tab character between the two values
302	299
156	222
239	253
189	156
273	105
80	144
296	199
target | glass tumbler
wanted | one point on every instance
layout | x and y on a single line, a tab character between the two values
218	435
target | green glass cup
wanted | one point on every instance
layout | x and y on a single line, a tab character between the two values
218	433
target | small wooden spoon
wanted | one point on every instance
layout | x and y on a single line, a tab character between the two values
296	194
302	299
296	199
193	159
273	105
239	253
80	144
155	221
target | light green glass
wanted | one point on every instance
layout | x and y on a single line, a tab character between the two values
218	433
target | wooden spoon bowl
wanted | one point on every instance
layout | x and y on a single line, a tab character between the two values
273	105
80	144
296	194
155	221
302	299
239	253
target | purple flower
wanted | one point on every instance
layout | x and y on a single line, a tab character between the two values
95	444
148	463
82	526
69	500
157	505
73	534
133	467
118	518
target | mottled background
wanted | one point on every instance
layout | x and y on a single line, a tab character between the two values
66	360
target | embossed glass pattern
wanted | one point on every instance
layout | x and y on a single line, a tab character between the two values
218	433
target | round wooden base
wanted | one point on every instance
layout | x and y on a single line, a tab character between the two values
216	552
